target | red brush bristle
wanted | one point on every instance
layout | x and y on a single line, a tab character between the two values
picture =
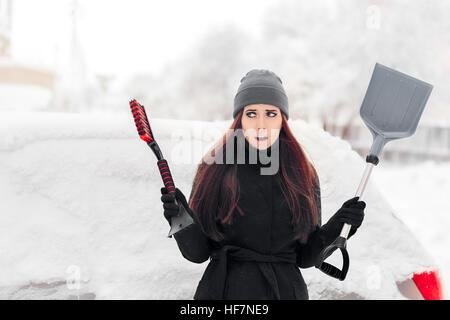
141	121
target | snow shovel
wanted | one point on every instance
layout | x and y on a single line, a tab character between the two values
183	219
391	109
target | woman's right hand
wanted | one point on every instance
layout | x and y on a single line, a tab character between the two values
172	209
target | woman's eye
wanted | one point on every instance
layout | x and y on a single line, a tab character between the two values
271	114
251	114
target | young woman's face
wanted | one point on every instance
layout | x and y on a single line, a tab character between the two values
261	124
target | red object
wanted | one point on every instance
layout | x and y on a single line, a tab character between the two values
141	121
429	285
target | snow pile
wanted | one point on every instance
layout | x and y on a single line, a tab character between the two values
419	194
81	214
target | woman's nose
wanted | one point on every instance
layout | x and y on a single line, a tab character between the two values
261	123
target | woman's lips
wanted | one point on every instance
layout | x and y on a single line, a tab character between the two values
261	138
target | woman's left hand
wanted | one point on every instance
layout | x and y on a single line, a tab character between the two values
351	212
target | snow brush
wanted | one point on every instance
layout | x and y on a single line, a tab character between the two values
183	219
391	109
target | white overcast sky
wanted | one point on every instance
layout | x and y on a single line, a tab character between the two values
109	30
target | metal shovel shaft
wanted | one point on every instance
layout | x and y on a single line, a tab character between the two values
362	186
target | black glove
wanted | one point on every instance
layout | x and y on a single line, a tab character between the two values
351	212
170	208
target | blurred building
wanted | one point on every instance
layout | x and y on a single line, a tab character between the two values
21	86
431	141
5	27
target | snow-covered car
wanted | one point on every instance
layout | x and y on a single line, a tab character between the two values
81	215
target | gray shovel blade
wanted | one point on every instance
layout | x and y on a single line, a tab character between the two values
392	106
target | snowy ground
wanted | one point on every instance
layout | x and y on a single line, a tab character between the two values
80	214
419	194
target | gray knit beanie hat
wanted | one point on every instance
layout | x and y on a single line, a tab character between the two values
261	86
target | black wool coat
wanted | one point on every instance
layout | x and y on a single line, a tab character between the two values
258	259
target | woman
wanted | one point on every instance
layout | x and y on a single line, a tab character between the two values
257	228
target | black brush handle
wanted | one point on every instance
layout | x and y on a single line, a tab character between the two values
156	150
166	175
183	219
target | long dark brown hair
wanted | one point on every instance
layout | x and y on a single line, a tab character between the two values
298	178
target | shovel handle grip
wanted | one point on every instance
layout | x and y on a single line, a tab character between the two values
339	243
